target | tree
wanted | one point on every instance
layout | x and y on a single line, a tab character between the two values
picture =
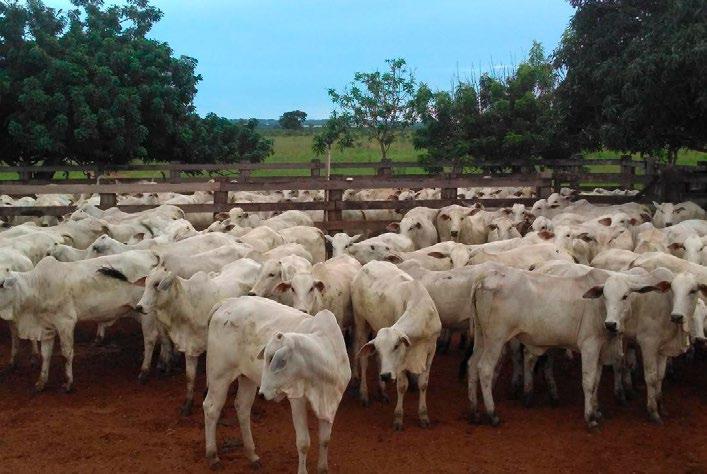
634	75
336	130
292	120
88	87
499	119
380	104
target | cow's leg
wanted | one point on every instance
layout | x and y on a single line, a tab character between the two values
66	342
662	364
149	339
166	351
247	389
517	360
650	374
324	437
422	382
14	349
529	361
36	357
299	420
101	333
630	364
444	340
595	393
191	363
487	367
590	361
361	361
47	347
548	371
473	378
213	403
619	371
402	386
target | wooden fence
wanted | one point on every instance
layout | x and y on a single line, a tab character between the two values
544	177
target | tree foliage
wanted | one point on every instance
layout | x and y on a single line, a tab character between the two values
500	119
336	130
87	86
380	104
292	120
635	74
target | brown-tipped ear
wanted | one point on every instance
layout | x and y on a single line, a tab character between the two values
554	206
404	340
546	235
646	217
437	255
662	287
418	225
506	211
594	292
394	259
221	216
140	282
703	289
319	285
140	236
368	349
606	221
473	212
282	287
633	221
586	237
492	227
676	246
444	217
261	354
518	193
393	227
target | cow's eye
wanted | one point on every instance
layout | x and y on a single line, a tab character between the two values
693	292
624	297
155	285
311	289
271	275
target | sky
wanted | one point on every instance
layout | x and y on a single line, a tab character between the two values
260	58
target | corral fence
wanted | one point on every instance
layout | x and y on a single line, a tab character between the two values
655	181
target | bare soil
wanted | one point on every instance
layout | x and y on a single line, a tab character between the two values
111	423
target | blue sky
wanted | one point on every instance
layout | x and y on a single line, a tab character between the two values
259	58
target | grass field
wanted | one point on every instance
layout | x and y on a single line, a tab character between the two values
297	147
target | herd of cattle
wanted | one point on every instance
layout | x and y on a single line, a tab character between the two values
257	294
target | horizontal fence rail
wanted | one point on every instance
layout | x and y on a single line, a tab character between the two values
543	177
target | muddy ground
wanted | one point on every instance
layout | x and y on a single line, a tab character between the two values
111	423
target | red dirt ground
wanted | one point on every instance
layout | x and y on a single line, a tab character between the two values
113	424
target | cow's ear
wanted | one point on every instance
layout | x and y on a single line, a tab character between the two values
418	225
404	340
393	227
394	259
606	221
633	221
367	350
355	238
505	210
140	282
319	285
546	234
585	237
328	238
8	282
444	217
437	255
594	292
166	283
473	211
676	246
140	236
282	287
221	216
703	289
554	206
261	354
662	287
493	227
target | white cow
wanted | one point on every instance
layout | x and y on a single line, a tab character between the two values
275	271
183	307
668	214
406	322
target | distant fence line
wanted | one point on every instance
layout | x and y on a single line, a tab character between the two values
657	182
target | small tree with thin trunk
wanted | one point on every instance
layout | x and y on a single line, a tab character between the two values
337	131
380	104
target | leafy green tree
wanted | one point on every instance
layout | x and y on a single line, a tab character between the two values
87	86
634	74
336	130
381	104
293	120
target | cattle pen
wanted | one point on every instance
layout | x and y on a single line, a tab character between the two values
653	179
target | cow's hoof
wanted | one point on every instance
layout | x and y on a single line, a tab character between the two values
398	425
97	342
527	400
143	376
256	465
621	398
215	464
322	470
186	410
593	425
365	401
34	361
67	388
424	423
655	419
475	419
494	420
37	389
598	415
385	399
516	391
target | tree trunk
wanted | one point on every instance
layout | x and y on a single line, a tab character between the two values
328	162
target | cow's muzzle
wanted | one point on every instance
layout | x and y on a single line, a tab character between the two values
611	326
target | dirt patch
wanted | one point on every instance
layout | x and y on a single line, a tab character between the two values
113	424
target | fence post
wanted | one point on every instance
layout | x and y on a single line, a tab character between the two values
174	174
627	172
386	168
25	176
449	193
108	200
243	175
334	197
315	171
220	198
